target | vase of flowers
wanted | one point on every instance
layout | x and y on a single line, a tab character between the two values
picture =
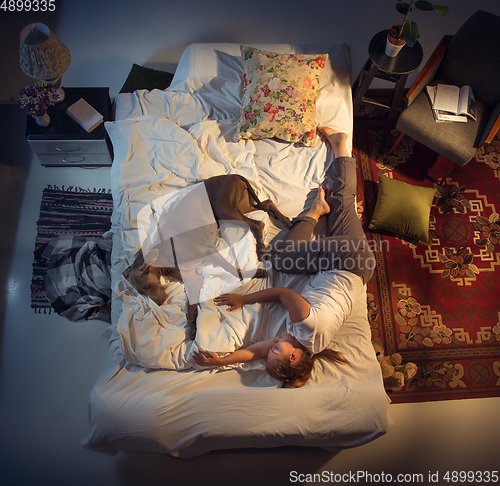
407	32
36	99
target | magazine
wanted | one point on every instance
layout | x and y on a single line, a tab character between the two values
451	103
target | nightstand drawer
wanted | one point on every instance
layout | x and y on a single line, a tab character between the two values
68	147
75	160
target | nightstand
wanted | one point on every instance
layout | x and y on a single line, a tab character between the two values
64	143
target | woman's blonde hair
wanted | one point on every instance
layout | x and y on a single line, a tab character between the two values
296	375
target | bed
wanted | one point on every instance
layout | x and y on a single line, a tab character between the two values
150	396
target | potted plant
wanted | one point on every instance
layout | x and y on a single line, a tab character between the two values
407	32
36	98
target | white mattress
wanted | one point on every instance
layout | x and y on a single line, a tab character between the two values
150	396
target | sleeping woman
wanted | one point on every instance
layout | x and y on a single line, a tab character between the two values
340	264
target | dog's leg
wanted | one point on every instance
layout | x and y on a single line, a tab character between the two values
270	208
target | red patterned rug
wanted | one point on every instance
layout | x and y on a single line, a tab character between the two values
438	304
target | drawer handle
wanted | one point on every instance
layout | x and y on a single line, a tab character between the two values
74	160
59	149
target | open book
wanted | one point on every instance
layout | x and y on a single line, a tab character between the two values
451	103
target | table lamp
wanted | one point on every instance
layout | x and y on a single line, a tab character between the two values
43	56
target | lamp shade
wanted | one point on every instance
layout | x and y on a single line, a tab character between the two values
41	54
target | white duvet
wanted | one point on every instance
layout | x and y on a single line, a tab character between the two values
150	396
166	158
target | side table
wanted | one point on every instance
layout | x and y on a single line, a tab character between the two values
395	69
64	143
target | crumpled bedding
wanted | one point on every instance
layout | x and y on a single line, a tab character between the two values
167	140
150	396
167	158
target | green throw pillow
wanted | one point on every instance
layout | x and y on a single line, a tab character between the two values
403	209
146	78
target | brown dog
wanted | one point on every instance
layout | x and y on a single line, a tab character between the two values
231	197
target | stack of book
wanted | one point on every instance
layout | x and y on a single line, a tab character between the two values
451	103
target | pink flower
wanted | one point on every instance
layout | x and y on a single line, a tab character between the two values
307	83
249	115
36	98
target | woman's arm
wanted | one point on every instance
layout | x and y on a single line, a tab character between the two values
251	353
297	307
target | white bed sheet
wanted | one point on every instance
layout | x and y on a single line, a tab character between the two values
149	397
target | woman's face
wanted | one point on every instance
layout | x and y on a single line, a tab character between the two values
282	348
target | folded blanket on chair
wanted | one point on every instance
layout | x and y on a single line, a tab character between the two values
78	281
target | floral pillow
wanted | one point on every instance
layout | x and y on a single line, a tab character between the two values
279	95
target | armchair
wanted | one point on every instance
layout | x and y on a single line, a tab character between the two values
470	57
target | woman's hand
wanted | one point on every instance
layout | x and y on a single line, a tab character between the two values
298	308
206	358
233	301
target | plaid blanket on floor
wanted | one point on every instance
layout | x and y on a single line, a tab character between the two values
78	281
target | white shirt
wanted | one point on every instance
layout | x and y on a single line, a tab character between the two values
331	295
